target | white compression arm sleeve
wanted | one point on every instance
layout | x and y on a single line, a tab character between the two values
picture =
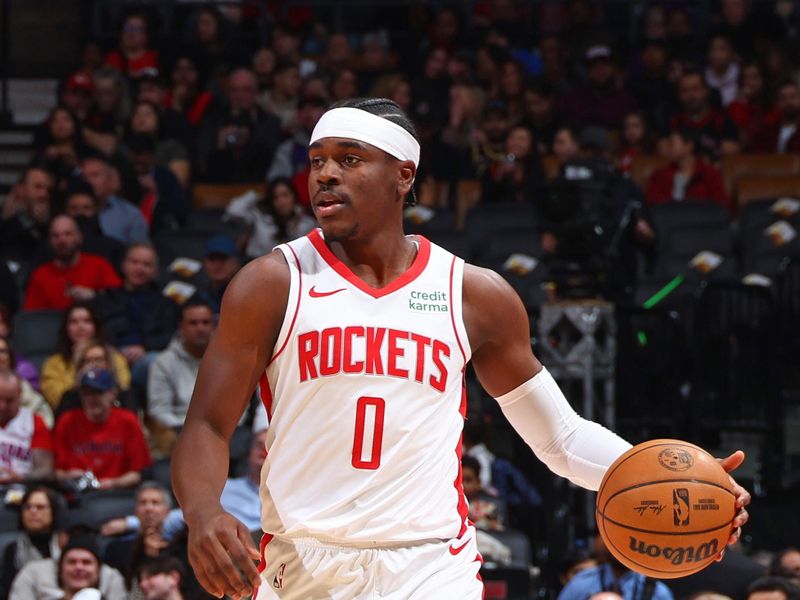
568	444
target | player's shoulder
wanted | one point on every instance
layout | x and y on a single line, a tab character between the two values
482	285
265	274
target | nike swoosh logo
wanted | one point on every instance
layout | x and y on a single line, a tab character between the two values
457	550
315	294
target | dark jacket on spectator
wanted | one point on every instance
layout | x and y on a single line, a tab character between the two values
137	317
172	208
231	165
587	106
766	140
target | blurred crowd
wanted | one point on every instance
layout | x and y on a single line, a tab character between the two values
518	99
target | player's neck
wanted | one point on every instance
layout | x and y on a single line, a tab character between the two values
377	260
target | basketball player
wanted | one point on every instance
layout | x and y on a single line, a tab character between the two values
358	338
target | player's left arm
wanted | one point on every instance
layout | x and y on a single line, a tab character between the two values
498	329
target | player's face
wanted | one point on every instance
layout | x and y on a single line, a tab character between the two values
353	187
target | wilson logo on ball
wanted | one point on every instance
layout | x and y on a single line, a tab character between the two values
676	555
675	459
680	507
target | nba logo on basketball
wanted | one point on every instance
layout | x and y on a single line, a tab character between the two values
277	583
680	507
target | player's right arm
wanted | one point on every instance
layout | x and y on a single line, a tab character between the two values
220	548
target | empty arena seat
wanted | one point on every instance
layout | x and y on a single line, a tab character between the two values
675	215
523	240
736	166
181	244
9	519
443	220
35	334
452	241
210	221
101	506
486	220
758	187
219	195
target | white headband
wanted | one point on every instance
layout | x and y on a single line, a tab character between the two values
360	125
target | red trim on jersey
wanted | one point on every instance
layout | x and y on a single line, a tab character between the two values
265	539
463	508
416	268
266	395
296	308
452	312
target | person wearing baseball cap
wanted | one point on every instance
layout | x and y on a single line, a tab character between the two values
601	101
100	438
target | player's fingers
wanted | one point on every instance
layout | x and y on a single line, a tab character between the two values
199	568
240	552
733	461
741	518
720	556
735	535
226	550
742	495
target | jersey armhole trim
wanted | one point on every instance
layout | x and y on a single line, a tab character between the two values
295	285
456	305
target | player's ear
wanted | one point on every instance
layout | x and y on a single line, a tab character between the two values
406	175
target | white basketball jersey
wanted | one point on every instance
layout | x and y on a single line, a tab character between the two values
365	394
15	442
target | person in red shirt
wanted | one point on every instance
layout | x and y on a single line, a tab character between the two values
99	437
26	447
71	275
133	57
688	177
783	136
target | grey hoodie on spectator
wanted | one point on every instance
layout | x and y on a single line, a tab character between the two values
38	580
170	384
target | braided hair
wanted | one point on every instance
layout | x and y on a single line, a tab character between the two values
389	110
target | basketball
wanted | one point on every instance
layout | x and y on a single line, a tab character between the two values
665	508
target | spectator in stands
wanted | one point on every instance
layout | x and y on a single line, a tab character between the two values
77	94
138	318
187	95
81	204
375	58
133	56
164	204
118	218
782	137
220	264
338	57
154	89
105	123
565	145
211	46
38	515
519	176
263	66
611	574
754	107
21	366
458	156
240	494
431	90
717	133
601	102
169	153
634	141
282	98
773	588
474	446
78	568
394	86
786	563
512	89
650	85
128	553
574	563
25	215
161	579
26	451
72	274
100	438
276	218
722	72
80	325
689	177
486	511
554	67
174	371
61	146
30	398
541	117
291	157
92	354
237	144
345	85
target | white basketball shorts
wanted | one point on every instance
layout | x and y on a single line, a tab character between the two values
306	569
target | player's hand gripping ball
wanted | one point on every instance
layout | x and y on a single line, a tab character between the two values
665	508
